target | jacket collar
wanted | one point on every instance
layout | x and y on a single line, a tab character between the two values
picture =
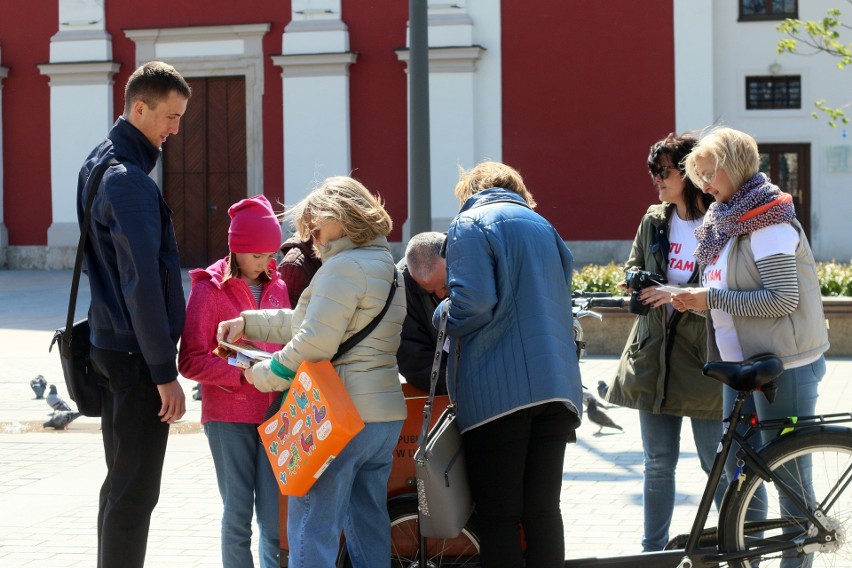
492	195
328	250
131	145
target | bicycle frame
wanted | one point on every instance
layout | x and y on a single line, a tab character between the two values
695	556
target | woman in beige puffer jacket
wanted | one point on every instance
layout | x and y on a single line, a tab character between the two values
349	226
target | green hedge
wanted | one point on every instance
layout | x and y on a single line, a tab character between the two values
835	279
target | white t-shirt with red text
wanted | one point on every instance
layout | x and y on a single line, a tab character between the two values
682	245
775	239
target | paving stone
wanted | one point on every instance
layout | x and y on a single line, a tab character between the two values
49	480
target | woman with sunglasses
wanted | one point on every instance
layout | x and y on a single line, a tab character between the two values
660	369
759	279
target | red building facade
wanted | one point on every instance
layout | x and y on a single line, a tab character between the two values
570	93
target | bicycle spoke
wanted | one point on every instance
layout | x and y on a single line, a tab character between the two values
762	518
840	487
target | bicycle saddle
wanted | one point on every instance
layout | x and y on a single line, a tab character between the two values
746	375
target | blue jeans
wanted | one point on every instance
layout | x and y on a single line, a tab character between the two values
661	444
246	482
351	495
796	395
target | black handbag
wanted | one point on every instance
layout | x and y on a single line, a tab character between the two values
85	387
444	501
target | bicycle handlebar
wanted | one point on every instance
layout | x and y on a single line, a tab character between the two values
582	294
606	303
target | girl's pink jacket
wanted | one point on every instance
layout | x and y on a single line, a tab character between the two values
226	396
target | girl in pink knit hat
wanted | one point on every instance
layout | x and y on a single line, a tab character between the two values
231	408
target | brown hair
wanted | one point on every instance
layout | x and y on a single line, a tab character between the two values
677	148
232	270
152	83
486	175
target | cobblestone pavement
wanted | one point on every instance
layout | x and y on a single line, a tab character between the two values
49	480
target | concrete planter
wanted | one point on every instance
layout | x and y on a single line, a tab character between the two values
607	337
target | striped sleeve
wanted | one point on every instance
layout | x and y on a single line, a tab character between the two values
778	297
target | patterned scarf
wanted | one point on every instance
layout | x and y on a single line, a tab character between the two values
757	204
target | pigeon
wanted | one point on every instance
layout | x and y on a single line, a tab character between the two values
603	388
60	419
55	401
38	385
599	417
196	392
587	394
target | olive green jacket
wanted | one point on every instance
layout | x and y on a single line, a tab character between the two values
644	380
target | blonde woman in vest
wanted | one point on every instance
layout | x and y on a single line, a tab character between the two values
349	226
758	275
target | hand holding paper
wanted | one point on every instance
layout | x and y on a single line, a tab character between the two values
672	289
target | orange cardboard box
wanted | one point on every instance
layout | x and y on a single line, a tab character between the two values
315	422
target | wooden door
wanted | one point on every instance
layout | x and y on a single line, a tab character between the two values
204	168
789	167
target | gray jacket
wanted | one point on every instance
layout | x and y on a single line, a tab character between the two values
800	335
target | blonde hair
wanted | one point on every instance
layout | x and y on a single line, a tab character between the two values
731	150
486	175
345	200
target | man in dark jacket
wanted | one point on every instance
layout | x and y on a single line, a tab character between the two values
137	311
425	273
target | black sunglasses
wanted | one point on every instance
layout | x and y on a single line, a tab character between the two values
661	172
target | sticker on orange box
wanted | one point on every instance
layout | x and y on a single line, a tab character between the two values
307	441
305	381
270	428
323	431
298	427
301	399
320	413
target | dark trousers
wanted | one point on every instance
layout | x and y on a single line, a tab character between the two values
134	446
515	468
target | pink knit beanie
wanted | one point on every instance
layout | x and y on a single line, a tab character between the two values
254	226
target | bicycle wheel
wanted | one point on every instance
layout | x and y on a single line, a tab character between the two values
817	465
462	551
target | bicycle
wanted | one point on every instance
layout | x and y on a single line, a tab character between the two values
809	463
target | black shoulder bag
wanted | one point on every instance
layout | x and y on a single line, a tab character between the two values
83	384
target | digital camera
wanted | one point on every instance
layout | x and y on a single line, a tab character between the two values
638	280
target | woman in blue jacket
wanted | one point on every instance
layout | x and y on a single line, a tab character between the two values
517	382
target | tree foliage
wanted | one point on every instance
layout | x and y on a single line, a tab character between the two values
820	36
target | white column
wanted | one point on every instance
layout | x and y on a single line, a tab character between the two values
694	71
81	112
455	93
4	232
315	60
